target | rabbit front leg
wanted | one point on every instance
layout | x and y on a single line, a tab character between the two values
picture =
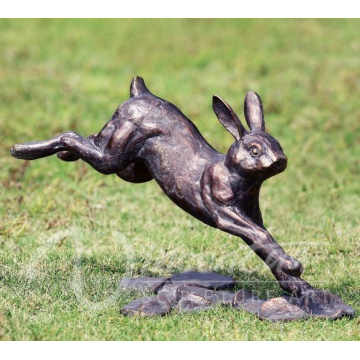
285	269
231	220
217	196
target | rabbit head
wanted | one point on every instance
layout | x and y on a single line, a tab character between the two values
254	153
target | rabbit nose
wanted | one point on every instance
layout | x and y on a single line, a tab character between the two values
281	162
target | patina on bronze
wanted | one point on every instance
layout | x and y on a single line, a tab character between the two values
149	138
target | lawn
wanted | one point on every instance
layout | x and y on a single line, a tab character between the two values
68	234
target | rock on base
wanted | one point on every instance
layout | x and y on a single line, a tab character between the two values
323	304
143	284
209	280
148	306
279	309
244	299
198	298
192	291
168	293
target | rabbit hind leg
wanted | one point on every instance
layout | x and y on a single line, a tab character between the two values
74	146
37	149
69	156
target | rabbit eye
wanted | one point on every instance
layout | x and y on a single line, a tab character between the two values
255	151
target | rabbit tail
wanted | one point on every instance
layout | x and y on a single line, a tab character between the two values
138	87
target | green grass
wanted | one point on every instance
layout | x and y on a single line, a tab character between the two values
68	234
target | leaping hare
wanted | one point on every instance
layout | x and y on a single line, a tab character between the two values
149	138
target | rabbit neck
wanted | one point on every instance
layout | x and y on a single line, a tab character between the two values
242	185
248	189
246	182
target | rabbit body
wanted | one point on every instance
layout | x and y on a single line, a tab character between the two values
149	138
171	149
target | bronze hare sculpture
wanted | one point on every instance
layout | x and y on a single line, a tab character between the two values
149	138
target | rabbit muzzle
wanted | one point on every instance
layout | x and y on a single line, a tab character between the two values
271	167
281	163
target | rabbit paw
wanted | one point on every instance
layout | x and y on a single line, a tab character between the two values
291	266
292	284
280	262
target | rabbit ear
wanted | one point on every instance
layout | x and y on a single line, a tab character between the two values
228	118
254	113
